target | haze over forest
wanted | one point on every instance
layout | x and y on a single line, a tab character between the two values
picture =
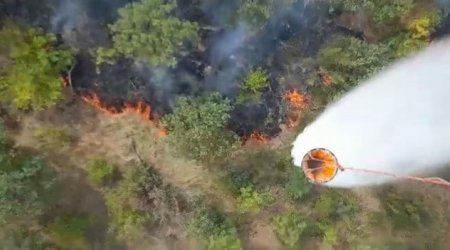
168	124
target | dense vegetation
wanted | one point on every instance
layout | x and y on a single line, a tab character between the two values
212	170
197	128
31	75
147	32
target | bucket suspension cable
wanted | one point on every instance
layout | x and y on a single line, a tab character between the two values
321	166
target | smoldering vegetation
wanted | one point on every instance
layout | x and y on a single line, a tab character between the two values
227	51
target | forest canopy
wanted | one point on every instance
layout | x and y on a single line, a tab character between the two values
169	124
147	32
30	77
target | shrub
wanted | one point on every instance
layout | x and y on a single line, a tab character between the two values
389	11
332	205
250	200
289	227
213	230
256	13
296	186
22	238
383	246
100	172
377	219
406	211
70	231
251	89
197	128
139	200
422	27
235	179
347	67
381	11
51	137
403	45
415	37
32	78
330	236
25	185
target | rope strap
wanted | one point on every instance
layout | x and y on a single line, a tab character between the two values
432	180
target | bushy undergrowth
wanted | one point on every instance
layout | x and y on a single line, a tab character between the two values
101	172
213	230
70	231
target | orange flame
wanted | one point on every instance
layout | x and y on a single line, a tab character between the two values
141	108
291	123
325	77
162	132
296	99
95	101
258	137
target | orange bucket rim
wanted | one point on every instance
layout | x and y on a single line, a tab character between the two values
307	171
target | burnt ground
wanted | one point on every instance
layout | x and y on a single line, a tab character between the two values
209	68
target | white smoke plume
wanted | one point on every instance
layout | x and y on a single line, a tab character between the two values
398	122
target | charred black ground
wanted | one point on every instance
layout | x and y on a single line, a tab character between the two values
210	67
219	63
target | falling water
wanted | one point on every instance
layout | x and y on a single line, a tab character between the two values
397	122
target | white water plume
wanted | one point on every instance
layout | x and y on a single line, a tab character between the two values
397	122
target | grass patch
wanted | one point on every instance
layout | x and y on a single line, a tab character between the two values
100	172
70	231
213	230
251	200
53	138
289	227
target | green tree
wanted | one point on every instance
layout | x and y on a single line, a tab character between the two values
139	200
349	61
332	205
381	11
252	87
289	227
250	200
295	183
233	180
197	128
148	32
24	184
70	231
330	236
416	35
100	172
406	211
31	79
255	13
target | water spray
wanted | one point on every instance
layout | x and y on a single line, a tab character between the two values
394	126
